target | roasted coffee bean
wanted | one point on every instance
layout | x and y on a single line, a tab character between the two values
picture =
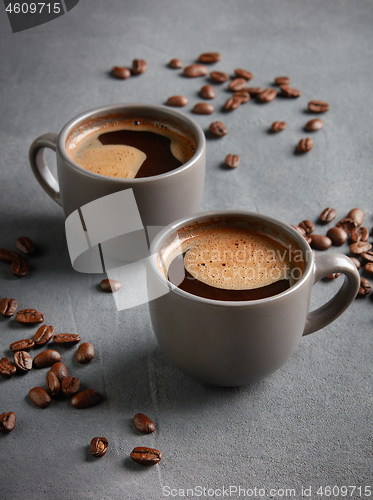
254	91
313	125
207	92
120	72
46	358
7	421
19	267
86	398
282	80
337	235
139	66
320	242
25	245
60	370
175	64
99	446
23	361
70	386
177	101
209	57
305	145
347	224
367	256
356	262
53	384
288	91
237	84
7	255
7	369
243	95
365	287
232	161
357	215
85	353
195	70
40	397
317	106
143	423
360	233
267	95
278	126
110	285
219	76
333	276
43	335
243	73
327	215
360	247
300	230
203	108
22	345
29	316
369	268
66	339
8	307
232	103
307	225
218	129
146	456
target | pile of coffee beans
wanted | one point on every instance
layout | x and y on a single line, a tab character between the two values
18	264
139	66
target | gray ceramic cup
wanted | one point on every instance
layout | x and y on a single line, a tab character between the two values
228	343
161	199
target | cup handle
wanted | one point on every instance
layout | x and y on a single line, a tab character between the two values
39	165
328	264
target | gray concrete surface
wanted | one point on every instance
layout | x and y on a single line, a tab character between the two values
307	426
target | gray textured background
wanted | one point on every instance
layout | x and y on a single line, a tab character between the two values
310	423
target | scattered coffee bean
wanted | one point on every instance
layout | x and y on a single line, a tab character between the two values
333	276
143	423
66	339
70	386
365	287
360	247
243	73
369	268
267	95
232	161
203	108
146	456
175	64
218	129
8	307
357	215
177	101
237	84
29	316
7	255
7	369
110	285
195	70
120	72
347	224
219	76
86	398
320	242
356	262
52	383
308	226
367	256
232	103
22	345
305	145
209	57
99	446
40	397
313	125
282	80
360	233
288	91
337	235
7	421
278	126
299	229
23	361
139	66
19	267
317	106
46	358
327	215
60	370
243	95
25	245
85	353
207	92
43	335
254	91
